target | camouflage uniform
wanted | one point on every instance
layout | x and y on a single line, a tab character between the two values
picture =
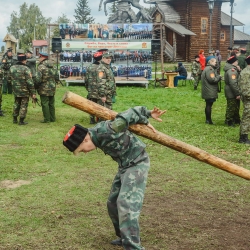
7	62
196	73
209	89
91	85
23	87
231	92
244	84
127	191
46	78
31	63
106	84
241	61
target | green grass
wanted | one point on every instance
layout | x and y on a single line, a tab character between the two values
64	206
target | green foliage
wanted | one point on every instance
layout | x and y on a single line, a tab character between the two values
28	24
2	48
112	9
83	12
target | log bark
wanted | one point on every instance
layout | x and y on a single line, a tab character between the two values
92	108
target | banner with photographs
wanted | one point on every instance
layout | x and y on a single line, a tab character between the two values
131	58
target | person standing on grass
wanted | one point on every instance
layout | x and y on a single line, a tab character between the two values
196	71
46	78
232	91
127	192
244	83
22	86
209	88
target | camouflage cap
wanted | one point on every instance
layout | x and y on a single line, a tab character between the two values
106	55
9	49
29	50
20	51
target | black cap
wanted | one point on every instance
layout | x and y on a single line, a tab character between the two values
74	137
248	60
232	59
9	49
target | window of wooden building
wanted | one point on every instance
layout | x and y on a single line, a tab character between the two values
204	22
222	35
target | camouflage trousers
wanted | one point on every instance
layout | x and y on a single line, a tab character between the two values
232	111
20	106
125	201
197	78
107	104
245	121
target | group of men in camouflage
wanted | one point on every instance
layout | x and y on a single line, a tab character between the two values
100	81
21	76
237	87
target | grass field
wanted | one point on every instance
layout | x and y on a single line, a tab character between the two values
51	200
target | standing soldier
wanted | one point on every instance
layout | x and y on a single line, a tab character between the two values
232	92
106	80
46	78
244	84
31	63
91	81
7	62
1	97
196	71
242	58
23	87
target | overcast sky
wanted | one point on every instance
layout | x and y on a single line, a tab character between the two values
55	8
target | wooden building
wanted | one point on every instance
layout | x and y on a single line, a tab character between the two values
184	28
10	42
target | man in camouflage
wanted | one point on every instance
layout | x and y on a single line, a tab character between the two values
232	91
196	71
106	81
46	78
91	81
23	87
242	58
128	188
7	62
31	63
244	84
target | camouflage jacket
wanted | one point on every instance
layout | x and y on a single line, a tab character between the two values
209	80
21	80
46	78
244	83
231	81
114	138
196	68
31	63
91	81
241	61
105	81
7	62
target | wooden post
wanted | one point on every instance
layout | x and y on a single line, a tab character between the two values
92	108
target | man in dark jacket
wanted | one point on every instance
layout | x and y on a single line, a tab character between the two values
232	91
209	87
182	74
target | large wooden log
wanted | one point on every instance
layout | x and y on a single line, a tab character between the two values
92	108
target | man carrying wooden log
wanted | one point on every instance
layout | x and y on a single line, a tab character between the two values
127	191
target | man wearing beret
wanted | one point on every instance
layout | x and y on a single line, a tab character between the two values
46	78
23	88
106	81
232	91
127	192
244	84
91	81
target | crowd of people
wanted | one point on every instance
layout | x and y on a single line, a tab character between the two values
21	76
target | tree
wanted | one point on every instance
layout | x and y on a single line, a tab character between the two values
112	9
83	12
29	24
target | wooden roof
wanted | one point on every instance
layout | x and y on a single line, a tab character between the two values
241	36
9	37
226	19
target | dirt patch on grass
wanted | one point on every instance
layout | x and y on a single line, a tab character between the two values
13	184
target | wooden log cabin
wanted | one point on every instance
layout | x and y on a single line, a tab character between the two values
184	28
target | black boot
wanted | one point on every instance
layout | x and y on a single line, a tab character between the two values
117	242
92	120
244	139
1	112
209	122
230	124
14	119
21	122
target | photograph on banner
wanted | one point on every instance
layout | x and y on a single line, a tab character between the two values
138	31
73	71
72	31
76	56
